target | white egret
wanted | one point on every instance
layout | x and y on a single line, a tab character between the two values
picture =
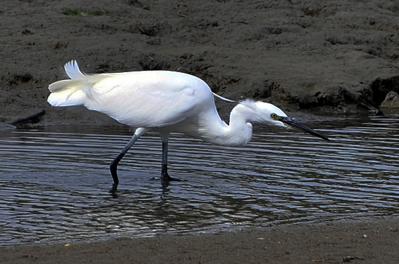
164	101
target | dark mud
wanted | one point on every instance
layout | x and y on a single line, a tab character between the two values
318	57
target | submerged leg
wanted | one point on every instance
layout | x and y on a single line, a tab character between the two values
114	164
165	178
164	172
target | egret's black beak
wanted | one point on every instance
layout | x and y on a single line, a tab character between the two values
293	123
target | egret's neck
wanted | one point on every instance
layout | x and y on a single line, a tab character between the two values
239	130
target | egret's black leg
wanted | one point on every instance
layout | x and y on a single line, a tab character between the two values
164	172
165	178
114	164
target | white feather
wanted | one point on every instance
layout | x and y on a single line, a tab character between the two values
73	71
224	98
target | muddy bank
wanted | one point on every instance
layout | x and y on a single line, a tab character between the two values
367	241
306	56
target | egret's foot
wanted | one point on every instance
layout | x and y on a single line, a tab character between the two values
166	179
174	179
113	189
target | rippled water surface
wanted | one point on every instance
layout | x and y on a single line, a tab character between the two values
54	185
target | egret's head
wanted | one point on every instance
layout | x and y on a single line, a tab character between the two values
267	113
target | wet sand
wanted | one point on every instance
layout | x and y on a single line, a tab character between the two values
372	240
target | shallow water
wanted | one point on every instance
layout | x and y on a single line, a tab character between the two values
54	185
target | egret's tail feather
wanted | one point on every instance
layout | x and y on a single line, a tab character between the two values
73	71
224	99
67	93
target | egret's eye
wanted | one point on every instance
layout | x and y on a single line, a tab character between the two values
274	116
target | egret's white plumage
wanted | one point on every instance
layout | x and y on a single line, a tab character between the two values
163	101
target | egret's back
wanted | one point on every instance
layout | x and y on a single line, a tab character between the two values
137	99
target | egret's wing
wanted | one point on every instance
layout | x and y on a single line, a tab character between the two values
148	98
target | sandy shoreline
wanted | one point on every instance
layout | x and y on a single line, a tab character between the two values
372	240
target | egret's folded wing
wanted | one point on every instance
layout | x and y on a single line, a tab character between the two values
146	99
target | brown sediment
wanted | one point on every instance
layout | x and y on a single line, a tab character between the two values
373	240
